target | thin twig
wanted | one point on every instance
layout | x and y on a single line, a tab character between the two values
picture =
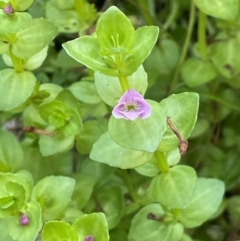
183	143
37	131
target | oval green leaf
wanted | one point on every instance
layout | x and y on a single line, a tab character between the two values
174	189
206	198
145	229
182	109
107	151
141	134
10	84
93	224
58	230
195	72
224	9
53	200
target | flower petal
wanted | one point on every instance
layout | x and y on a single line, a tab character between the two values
129	96
132	98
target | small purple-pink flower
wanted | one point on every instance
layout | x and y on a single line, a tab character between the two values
23	219
8	9
131	106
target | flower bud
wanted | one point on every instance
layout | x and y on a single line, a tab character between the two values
8	9
23	219
89	238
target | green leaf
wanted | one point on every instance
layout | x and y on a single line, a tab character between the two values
107	151
94	110
58	230
174	189
31	40
112	203
70	214
163	57
141	134
62	4
145	229
45	166
4	47
53	200
85	91
53	108
74	126
67	19
145	39
21	5
101	172
86	50
51	145
223	56
30	231
203	72
182	109
12	24
52	89
10	161
81	194
69	100
13	199
110	90
4	230
36	60
233	208
185	237
206	198
10	84
93	224
115	31
28	64
92	130
224	9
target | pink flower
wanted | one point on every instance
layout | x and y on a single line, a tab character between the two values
8	9
131	106
89	238
23	219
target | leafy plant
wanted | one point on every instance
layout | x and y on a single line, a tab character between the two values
103	102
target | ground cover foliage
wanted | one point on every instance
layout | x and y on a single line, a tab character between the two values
119	120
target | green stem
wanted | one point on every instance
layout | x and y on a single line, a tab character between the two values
124	175
185	46
147	8
124	83
221	101
173	14
17	62
202	35
176	213
161	161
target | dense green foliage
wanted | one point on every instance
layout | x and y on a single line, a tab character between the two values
75	170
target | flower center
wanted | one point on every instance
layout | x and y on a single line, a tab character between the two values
131	107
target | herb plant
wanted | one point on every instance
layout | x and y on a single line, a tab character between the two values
124	120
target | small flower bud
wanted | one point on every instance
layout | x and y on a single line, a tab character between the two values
23	219
89	238
8	9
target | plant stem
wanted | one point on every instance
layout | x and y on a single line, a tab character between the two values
124	175
161	161
17	62
202	35
172	16
185	46
124	83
